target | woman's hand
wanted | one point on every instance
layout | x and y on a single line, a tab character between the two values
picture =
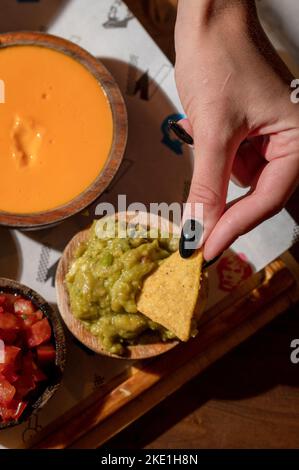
234	88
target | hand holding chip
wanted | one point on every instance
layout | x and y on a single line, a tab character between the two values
236	94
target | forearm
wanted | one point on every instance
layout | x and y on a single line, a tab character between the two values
203	12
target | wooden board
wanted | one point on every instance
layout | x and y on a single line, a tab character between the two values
127	397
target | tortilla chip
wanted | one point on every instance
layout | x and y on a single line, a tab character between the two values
169	295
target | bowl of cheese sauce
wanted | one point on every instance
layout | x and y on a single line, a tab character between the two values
63	129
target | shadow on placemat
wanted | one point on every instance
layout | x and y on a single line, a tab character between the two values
10	257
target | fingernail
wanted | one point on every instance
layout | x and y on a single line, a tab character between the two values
206	264
190	237
180	132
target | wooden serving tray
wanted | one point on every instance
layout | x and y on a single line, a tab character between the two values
107	411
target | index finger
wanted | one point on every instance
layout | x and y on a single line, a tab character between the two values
276	183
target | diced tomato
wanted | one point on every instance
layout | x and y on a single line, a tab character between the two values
39	333
21	341
7	302
23	307
8	336
10	354
30	369
39	314
24	384
46	354
8	321
13	411
30	319
31	374
3	369
7	392
9	326
26	333
27	363
11	375
9	367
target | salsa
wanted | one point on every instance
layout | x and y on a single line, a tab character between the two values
26	352
104	281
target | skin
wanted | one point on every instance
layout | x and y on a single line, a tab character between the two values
233	86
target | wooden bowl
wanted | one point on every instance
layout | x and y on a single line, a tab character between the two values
119	116
138	351
13	287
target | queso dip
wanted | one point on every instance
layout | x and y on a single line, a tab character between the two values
56	129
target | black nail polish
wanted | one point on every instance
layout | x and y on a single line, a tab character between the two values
190	237
180	132
206	264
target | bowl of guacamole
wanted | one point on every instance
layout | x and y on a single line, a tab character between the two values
99	279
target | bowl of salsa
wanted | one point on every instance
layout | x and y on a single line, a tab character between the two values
32	352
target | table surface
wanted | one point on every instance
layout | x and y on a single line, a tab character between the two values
249	398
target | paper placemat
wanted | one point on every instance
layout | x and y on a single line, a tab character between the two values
156	168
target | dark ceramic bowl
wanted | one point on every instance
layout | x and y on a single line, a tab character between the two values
51	385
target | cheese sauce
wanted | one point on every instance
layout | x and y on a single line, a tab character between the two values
56	129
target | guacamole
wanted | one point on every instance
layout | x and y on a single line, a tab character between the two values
104	281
